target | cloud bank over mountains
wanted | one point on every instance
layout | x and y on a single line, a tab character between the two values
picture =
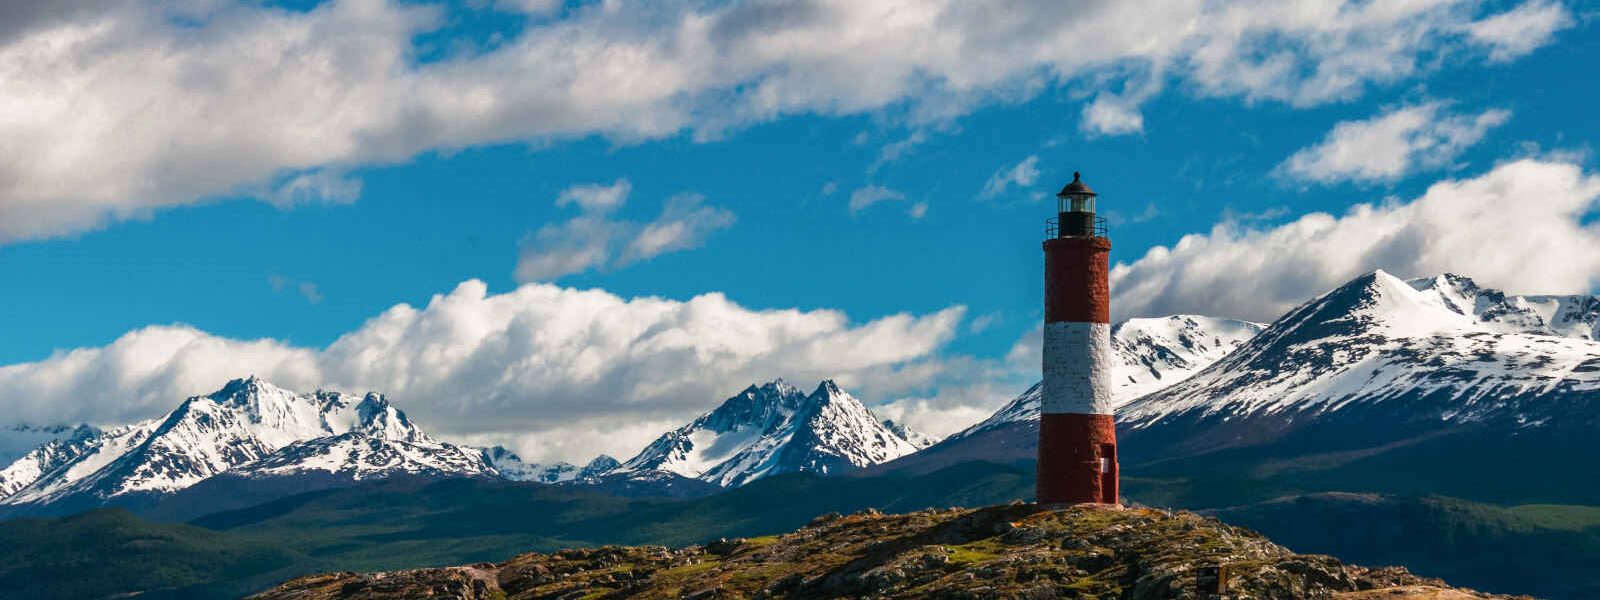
1525	227
117	108
559	372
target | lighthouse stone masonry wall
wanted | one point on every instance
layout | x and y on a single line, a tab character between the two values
1077	379
1077	331
1077	433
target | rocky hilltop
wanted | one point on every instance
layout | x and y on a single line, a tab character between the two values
1014	551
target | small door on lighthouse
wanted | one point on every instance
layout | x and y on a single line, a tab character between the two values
1108	473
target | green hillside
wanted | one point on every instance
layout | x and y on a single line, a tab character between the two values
1549	550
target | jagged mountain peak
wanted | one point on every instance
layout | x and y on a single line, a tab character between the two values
247	420
368	454
777	386
1156	352
917	438
378	418
1430	350
601	465
60	446
1152	353
1574	316
240	390
827	388
510	466
1379	302
762	405
773	429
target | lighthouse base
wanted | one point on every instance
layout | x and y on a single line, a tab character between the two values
1077	459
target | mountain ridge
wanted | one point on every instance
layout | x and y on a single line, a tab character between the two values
249	427
1410	347
771	429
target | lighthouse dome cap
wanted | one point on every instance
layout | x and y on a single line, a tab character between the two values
1077	187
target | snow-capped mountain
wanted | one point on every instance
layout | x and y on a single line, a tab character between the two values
1430	386
1574	316
250	426
1384	350
53	447
511	466
382	443
1152	353
771	429
20	439
917	438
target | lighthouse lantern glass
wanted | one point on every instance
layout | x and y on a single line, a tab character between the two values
1075	203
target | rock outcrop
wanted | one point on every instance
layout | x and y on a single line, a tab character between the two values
1015	551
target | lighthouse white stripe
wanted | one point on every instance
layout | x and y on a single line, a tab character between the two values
1077	368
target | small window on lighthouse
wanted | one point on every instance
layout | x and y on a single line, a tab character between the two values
1105	465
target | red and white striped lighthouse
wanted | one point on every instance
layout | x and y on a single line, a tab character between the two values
1077	437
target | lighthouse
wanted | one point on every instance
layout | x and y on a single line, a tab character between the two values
1077	437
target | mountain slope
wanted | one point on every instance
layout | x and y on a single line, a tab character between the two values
249	429
511	466
917	438
246	420
383	443
1389	355
773	429
1157	352
61	446
1002	552
1380	385
110	553
1151	353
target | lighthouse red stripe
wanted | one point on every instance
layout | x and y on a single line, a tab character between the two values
1075	286
1077	459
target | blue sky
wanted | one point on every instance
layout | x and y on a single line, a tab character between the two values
300	223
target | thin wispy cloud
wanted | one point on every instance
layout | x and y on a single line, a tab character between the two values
596	198
867	196
595	240
1020	175
1392	145
307	290
684	223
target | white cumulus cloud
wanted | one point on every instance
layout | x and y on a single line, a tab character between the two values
1391	145
1112	115
559	372
1520	227
1519	31
117	108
